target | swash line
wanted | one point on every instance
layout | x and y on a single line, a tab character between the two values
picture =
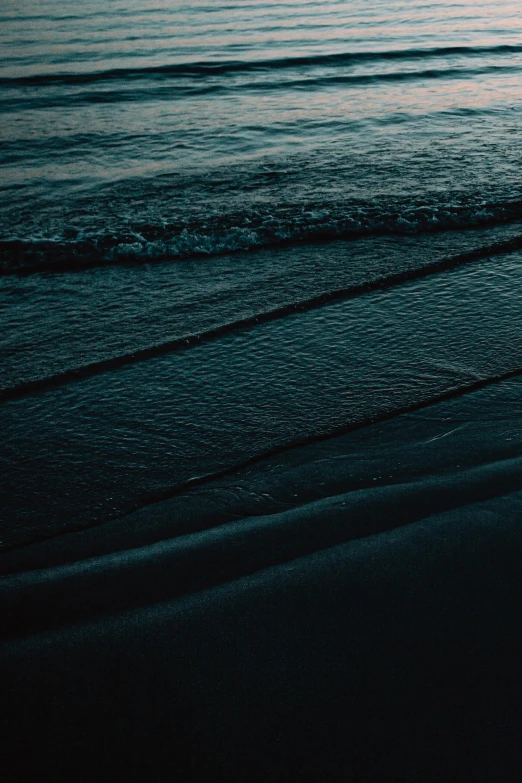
198	481
318	438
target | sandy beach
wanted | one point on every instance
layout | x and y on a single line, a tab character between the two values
367	632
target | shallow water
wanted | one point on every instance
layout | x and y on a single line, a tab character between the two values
96	448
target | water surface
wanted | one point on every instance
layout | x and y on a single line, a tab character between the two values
217	224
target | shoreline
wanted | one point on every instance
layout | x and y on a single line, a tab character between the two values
445	457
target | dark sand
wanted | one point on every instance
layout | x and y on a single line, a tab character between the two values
349	610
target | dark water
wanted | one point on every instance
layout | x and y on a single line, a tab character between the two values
217	222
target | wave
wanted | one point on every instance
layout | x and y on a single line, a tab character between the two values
197	88
75	250
190	340
209	68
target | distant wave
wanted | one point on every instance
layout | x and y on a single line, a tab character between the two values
209	68
249	231
185	87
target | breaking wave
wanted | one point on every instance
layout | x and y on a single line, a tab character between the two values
256	228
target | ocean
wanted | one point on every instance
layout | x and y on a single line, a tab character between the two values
232	229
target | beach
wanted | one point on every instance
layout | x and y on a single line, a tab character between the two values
370	632
260	391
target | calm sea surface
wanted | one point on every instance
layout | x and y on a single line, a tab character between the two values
186	188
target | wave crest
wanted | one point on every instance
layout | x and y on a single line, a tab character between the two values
208	68
72	250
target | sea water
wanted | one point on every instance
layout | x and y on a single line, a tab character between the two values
217	224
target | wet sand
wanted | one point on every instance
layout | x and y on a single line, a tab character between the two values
344	611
